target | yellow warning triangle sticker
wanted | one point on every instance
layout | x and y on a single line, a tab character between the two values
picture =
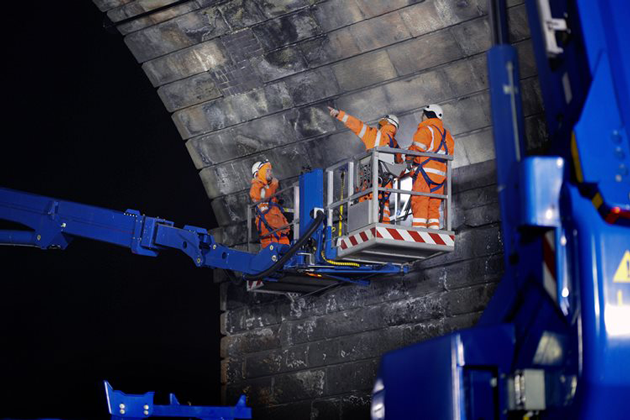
622	275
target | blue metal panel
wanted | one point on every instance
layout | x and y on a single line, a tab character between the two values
417	389
605	310
540	183
426	380
124	406
311	196
605	27
602	140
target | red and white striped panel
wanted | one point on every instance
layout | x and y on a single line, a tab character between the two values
550	277
356	239
397	234
254	284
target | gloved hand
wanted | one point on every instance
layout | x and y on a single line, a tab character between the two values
409	164
333	112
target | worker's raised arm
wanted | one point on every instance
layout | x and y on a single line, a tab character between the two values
273	187
357	126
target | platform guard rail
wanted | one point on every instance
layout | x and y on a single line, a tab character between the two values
354	189
400	196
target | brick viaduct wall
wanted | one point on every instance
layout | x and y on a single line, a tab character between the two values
250	79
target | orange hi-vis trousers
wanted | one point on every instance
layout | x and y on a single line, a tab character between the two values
426	210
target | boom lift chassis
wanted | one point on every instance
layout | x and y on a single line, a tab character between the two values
554	342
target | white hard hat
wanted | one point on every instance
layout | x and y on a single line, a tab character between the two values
256	166
436	109
393	120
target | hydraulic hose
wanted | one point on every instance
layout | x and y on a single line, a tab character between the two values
331	262
18	237
300	242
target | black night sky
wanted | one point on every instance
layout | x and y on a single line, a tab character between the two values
81	122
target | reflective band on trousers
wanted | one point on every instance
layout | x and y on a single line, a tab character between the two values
363	130
434	171
432	221
418	220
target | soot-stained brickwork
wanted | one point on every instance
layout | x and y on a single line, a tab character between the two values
251	79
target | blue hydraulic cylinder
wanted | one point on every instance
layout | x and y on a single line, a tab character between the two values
509	137
17	237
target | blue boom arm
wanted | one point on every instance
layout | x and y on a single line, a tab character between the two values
54	223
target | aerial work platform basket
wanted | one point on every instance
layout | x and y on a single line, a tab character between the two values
356	219
354	203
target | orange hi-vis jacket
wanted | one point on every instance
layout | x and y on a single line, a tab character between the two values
268	213
370	136
432	137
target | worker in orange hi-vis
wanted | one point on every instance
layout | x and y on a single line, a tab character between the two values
429	174
269	215
383	136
